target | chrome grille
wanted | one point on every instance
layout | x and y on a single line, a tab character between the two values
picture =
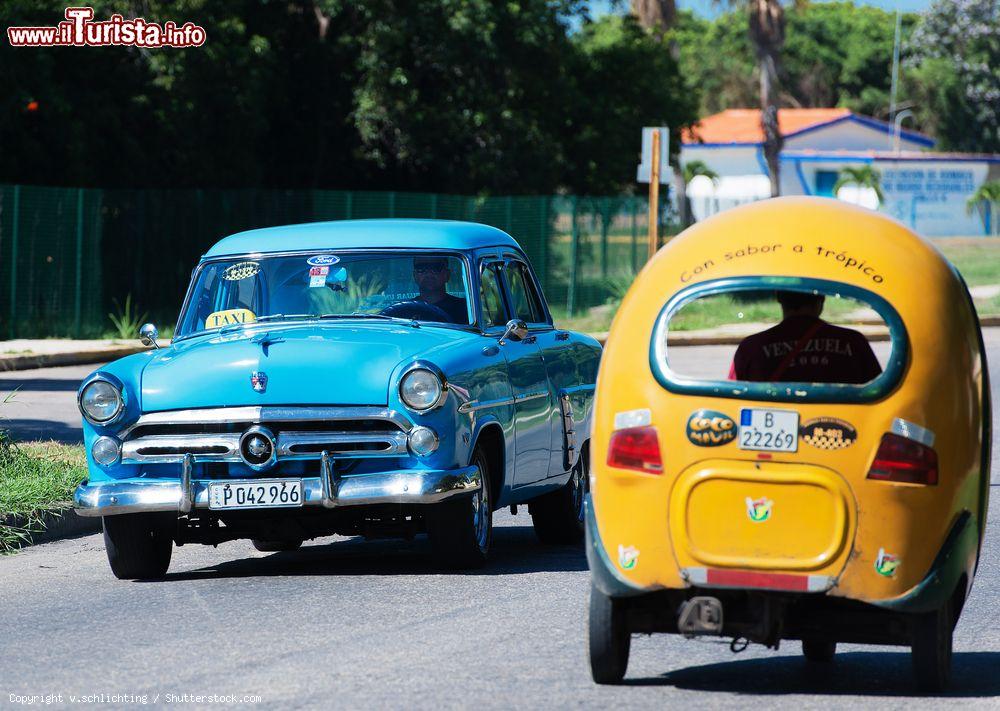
213	435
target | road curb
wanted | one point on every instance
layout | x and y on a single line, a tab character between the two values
50	360
58	523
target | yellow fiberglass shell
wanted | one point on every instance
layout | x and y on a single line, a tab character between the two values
827	518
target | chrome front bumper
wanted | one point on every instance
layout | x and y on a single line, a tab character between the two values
391	487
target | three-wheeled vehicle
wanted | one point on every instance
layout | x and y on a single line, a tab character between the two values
795	488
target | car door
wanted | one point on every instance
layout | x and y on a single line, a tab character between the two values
539	408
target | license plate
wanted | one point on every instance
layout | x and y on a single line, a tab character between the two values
254	494
769	430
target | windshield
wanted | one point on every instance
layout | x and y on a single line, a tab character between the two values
417	286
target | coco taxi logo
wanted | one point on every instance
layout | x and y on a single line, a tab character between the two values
709	428
759	510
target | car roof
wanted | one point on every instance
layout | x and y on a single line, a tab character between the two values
382	234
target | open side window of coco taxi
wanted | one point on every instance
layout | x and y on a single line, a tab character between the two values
791	440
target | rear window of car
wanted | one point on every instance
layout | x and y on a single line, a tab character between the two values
783	339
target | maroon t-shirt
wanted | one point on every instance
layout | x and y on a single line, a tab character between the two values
831	354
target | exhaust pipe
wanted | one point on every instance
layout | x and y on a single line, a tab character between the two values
699	616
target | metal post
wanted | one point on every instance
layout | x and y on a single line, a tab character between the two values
544	233
573	247
79	261
603	212
635	229
654	195
15	214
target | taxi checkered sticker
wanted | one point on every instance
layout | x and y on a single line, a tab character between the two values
828	433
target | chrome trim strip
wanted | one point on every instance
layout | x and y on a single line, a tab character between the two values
395	443
911	430
256	414
391	487
473	405
132	455
530	396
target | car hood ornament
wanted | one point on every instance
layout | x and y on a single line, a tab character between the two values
258	381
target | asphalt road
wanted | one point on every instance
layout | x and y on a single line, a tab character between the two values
345	623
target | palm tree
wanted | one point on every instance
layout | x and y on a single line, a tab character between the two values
863	176
767	32
698	167
986	200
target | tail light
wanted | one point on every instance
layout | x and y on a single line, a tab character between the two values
904	460
635	448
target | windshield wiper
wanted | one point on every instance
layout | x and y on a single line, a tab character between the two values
275	317
360	314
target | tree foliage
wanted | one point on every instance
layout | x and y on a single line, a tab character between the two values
835	54
464	96
953	71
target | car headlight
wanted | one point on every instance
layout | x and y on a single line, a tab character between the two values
101	401
422	441
105	451
420	389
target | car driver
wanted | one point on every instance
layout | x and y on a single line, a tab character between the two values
431	275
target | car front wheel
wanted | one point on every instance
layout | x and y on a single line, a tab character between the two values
461	529
139	545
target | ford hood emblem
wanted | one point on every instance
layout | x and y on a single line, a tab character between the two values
258	381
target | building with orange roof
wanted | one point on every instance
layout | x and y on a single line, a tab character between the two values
924	189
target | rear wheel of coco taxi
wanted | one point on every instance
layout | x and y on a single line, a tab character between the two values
461	529
139	545
818	651
931	649
558	516
610	640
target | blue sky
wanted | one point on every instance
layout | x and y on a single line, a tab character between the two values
707	8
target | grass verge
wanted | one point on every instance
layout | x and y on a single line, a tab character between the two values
35	477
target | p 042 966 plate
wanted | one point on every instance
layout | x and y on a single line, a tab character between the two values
249	494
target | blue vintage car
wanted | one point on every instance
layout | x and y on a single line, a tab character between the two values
372	377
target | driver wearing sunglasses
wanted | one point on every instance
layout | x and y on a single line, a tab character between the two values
431	275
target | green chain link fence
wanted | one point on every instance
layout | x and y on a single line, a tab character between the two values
69	256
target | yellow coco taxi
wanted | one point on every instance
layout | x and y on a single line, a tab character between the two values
820	482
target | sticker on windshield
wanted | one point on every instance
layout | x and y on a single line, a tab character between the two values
317	276
241	270
218	319
322	260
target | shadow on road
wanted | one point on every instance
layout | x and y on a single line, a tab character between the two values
49	385
875	673
25	430
515	551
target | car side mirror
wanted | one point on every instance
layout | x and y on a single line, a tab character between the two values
148	335
516	330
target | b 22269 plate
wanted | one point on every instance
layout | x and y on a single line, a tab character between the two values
265	494
767	430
